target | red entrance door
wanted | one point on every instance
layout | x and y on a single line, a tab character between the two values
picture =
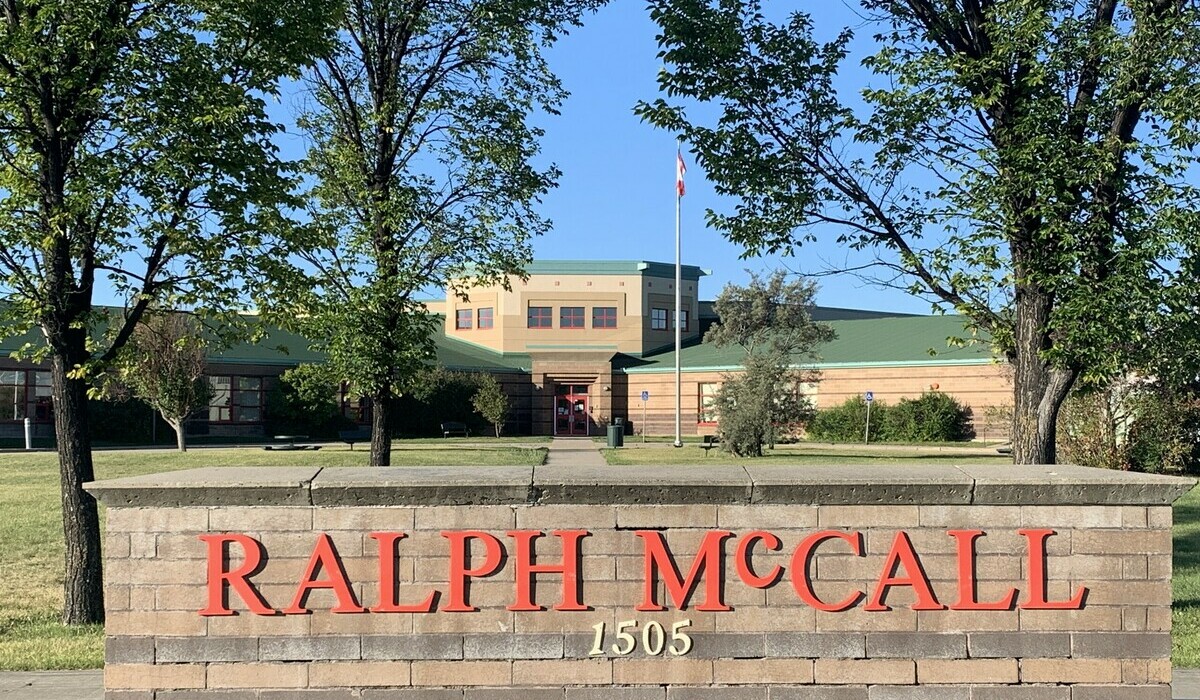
571	416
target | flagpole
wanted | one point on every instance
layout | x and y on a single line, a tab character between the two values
678	304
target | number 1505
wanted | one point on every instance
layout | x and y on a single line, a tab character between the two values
653	639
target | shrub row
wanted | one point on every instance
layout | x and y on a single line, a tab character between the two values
934	417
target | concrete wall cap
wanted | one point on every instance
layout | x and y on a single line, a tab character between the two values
856	484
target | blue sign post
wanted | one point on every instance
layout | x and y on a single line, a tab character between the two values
645	398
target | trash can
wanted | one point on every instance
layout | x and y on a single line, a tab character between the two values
616	433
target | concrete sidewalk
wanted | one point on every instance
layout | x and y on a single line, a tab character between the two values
87	685
574	452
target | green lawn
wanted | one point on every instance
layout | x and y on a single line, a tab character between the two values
31	530
1185	617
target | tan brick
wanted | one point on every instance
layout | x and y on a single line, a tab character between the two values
742	519
141	598
461	673
935	671
575	622
261	625
865	671
174	520
967	621
1122	542
857	620
325	622
1160	517
300	545
566	517
1081	567
364	674
1070	671
1158	619
116	545
152	677
164	624
181	547
1134	517
676	516
257	675
260	519
662	671
116	598
485	621
1071	516
1134	567
754	671
1089	619
374	519
562	672
1133	619
758	619
142	545
1150	593
458	518
869	516
1158	566
981	517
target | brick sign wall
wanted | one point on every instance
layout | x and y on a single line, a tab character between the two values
903	582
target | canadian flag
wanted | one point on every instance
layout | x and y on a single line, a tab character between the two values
680	170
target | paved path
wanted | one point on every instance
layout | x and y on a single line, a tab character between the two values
86	685
574	452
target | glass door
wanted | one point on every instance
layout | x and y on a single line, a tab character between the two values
571	410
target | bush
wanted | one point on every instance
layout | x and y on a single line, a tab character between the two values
756	407
934	417
847	422
1127	425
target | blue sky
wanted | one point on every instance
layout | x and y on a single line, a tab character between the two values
616	196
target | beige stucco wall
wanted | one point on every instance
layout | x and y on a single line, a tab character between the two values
632	295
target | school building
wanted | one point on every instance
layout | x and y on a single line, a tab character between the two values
578	343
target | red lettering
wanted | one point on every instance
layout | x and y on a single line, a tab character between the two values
802	569
460	550
525	570
388	545
220	580
902	554
745	547
1037	576
709	565
967	594
325	559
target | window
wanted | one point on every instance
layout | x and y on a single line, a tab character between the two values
571	317
541	317
12	395
683	316
462	319
604	317
658	319
236	400
485	318
39	401
708	403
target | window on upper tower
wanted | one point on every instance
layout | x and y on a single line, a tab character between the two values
541	317
571	317
658	319
485	318
604	317
462	319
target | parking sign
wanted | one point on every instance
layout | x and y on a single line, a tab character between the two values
645	396
870	396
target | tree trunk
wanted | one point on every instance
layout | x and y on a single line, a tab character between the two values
180	441
1039	388
381	428
83	587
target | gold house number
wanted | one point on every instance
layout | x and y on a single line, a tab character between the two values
653	638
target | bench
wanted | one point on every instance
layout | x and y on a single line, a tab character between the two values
352	436
710	441
455	428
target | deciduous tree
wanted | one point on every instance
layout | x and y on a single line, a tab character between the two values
1022	162
769	320
136	158
421	156
163	365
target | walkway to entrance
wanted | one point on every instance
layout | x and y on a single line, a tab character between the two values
574	452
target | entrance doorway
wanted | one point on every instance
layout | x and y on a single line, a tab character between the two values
571	410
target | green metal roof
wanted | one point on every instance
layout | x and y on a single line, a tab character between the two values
613	267
890	341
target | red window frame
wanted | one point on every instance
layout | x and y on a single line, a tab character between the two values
462	319
485	321
571	317
604	317
540	317
227	413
